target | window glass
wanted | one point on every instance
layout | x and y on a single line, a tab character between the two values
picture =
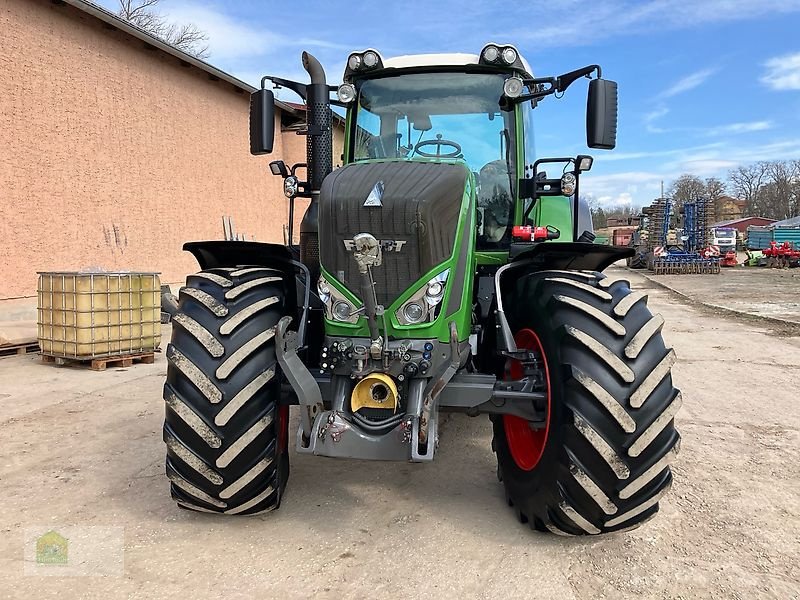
445	116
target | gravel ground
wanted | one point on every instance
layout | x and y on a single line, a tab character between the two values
82	448
773	293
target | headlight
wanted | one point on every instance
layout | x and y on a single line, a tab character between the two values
512	87
568	183
491	53
426	302
341	310
413	312
509	56
323	290
290	186
337	307
435	290
346	93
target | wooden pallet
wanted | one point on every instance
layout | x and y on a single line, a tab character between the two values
13	349
100	364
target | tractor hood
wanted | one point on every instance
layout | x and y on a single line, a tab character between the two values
411	207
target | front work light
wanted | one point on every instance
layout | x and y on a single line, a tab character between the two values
512	87
346	93
290	186
509	56
568	182
370	59
354	62
584	162
491	53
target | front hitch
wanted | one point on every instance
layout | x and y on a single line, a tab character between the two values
302	381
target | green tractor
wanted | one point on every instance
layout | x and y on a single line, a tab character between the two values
440	269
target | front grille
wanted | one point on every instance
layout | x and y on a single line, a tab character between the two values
420	207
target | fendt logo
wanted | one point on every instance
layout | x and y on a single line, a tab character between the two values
386	245
375	197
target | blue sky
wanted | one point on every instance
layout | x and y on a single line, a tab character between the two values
704	85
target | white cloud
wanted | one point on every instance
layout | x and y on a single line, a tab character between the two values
706	167
710	160
653	116
616	156
623	199
736	128
783	72
687	83
228	38
630	187
602	20
231	39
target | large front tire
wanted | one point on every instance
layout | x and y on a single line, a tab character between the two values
602	463
225	432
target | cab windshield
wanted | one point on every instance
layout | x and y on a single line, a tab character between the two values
444	116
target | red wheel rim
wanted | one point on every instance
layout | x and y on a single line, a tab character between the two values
525	444
283	428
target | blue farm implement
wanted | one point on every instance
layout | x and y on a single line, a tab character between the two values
684	250
685	263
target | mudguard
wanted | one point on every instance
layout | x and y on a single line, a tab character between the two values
571	256
213	254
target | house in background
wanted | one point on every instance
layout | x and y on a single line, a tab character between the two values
728	208
117	148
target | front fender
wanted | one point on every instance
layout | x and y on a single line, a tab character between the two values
572	256
214	254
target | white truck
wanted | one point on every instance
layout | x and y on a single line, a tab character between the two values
724	238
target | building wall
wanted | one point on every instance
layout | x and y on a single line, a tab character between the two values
743	224
113	155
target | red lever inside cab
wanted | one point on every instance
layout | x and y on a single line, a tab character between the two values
528	233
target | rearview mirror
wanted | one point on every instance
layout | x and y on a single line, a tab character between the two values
601	114
262	121
422	123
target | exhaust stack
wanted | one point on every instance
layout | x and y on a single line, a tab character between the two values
319	149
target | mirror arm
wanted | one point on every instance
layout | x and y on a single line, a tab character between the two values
297	87
567	79
278	82
555	84
535	188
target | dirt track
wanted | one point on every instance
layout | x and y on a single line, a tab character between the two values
84	448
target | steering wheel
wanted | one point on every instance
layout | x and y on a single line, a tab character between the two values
439	143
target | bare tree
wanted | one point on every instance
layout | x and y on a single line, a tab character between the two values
783	180
687	188
715	189
746	184
143	14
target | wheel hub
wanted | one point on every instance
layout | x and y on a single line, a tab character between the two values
525	443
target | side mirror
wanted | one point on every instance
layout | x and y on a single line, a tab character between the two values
262	121
601	114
